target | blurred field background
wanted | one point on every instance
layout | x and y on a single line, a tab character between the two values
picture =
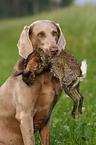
79	28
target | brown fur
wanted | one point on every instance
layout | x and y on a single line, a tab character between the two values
64	67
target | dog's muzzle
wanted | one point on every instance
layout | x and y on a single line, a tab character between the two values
54	50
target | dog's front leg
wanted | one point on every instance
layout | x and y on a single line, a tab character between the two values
45	133
27	130
26	126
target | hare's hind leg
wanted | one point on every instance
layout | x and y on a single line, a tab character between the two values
70	92
80	97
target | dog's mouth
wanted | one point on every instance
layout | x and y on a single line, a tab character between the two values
54	53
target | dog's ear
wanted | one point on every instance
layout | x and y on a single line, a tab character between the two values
19	67
61	40
24	44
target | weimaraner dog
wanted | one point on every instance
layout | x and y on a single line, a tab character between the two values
26	109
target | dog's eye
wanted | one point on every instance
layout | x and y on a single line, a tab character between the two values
54	33
41	34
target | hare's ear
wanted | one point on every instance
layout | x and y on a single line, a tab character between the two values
24	44
61	41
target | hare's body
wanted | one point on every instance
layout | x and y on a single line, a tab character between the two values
64	67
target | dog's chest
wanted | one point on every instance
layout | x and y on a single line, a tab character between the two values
49	94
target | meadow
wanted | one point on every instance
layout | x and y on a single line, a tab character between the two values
78	25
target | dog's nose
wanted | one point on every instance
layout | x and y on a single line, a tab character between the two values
54	50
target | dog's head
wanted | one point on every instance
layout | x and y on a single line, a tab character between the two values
43	34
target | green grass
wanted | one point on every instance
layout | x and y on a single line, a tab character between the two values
79	27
